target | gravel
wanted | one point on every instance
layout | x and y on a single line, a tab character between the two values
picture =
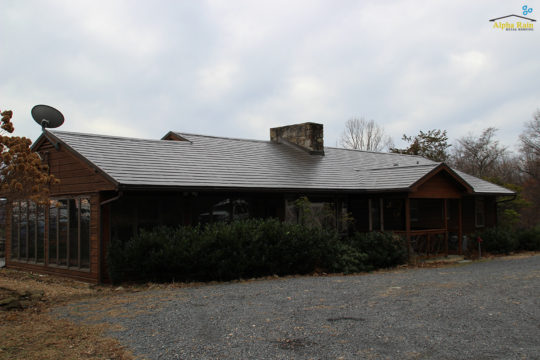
479	310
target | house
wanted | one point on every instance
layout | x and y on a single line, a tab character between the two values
110	187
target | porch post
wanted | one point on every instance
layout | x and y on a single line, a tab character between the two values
408	225
460	227
445	212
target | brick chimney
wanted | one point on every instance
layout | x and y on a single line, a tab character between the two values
307	136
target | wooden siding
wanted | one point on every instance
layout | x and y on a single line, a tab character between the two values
75	176
440	186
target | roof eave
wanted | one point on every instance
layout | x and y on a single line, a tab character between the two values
137	187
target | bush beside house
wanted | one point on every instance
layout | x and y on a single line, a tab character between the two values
504	240
245	249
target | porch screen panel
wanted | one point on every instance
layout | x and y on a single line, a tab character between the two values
73	209
63	222
23	231
31	230
15	230
85	233
40	248
53	231
375	214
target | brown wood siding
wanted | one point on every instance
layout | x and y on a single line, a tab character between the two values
105	239
54	270
75	175
440	186
89	275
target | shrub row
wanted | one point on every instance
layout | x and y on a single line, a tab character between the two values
502	240
245	249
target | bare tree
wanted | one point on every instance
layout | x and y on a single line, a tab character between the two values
530	167
530	147
361	134
479	156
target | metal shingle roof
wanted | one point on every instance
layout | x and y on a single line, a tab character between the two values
216	162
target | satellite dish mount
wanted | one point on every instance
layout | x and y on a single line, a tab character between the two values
47	116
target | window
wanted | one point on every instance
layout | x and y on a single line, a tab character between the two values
318	214
479	212
53	232
3	203
15	231
69	233
27	231
227	209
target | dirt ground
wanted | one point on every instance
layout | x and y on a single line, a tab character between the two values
31	333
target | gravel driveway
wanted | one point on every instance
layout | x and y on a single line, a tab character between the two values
481	310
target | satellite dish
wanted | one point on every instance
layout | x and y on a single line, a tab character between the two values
47	116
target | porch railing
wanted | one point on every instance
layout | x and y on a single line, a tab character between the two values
427	242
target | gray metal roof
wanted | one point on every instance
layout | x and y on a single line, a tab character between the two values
216	162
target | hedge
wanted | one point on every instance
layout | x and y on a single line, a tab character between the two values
246	249
504	240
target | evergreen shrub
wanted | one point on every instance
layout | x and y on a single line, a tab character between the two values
245	249
498	240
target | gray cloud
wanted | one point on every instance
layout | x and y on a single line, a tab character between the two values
236	68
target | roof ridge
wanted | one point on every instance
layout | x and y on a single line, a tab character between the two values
220	137
400	167
54	132
375	152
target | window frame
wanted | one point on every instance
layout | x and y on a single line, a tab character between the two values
68	261
479	212
16	230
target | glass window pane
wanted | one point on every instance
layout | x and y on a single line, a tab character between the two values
240	209
62	232
40	233
23	221
73	232
53	230
3	222
480	212
15	231
85	233
31	230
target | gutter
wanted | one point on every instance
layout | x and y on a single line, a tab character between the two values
120	194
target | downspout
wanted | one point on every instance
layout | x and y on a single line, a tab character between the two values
120	194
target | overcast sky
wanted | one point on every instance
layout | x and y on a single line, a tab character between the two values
236	68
